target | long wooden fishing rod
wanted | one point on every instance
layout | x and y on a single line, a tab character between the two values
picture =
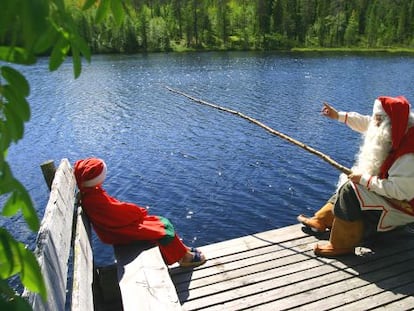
323	156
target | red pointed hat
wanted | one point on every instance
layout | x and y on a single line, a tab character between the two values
398	110
90	172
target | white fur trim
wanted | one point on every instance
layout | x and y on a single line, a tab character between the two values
378	109
97	180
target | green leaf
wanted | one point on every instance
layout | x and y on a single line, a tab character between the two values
20	200
117	11
16	102
14	125
4	287
77	62
12	205
59	53
45	40
16	55
7	181
28	210
60	4
16	258
103	10
5	139
88	4
34	22
15	303
16	79
82	46
9	260
30	273
8	15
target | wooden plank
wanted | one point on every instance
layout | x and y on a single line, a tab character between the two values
144	279
285	264
253	290
224	254
238	273
403	304
225	262
232	266
255	240
390	293
277	270
54	240
369	285
82	296
339	286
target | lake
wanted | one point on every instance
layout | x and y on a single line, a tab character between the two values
214	175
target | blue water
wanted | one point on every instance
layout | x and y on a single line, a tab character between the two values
216	176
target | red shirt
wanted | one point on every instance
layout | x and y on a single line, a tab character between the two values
114	222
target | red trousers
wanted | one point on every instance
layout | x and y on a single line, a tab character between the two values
173	251
160	230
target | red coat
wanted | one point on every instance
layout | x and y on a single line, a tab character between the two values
117	222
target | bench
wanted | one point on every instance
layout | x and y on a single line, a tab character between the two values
144	279
138	280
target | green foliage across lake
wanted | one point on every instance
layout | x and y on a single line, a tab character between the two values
176	25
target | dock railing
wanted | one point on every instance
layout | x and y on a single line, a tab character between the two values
139	280
64	233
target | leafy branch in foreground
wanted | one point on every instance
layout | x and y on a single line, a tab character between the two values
29	29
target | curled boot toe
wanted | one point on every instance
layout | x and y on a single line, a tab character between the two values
313	223
322	219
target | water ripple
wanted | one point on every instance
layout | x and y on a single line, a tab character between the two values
214	175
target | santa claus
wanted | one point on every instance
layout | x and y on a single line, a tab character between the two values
378	195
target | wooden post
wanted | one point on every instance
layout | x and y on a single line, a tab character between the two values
48	169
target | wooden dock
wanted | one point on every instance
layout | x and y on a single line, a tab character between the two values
273	270
277	270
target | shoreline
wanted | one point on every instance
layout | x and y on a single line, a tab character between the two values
357	50
390	51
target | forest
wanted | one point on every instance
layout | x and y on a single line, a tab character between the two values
180	25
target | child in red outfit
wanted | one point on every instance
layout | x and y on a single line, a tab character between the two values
117	222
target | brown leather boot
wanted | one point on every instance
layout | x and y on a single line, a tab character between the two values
345	236
322	219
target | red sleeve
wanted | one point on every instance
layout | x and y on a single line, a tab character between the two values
106	211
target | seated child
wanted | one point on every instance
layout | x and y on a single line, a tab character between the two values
117	222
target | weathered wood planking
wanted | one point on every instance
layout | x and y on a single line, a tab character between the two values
144	280
53	242
277	270
82	296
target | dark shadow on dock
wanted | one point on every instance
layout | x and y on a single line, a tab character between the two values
387	262
185	275
125	254
107	294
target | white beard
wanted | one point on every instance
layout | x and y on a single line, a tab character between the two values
373	151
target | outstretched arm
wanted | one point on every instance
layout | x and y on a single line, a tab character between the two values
354	120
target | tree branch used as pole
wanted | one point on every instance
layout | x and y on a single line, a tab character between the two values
323	156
